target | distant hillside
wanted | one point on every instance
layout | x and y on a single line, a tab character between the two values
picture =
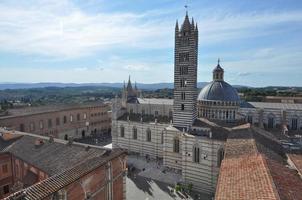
144	86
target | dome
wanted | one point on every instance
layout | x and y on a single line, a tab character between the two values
218	91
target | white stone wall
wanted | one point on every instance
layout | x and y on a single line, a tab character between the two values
151	109
153	148
280	116
202	175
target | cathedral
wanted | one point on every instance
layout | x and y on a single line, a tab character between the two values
189	132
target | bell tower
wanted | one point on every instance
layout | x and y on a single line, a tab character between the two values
185	73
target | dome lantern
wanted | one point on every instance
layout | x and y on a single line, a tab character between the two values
218	72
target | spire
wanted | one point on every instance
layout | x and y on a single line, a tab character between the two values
124	85
218	62
135	87
129	86
192	23
176	26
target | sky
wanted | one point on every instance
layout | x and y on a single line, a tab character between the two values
95	41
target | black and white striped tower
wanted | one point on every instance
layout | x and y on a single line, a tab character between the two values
185	74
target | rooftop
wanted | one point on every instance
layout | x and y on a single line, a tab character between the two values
144	118
46	109
263	105
54	183
52	157
253	168
155	101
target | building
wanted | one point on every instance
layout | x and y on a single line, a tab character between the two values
61	121
40	167
190	134
218	100
256	167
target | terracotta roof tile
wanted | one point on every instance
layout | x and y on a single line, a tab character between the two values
245	177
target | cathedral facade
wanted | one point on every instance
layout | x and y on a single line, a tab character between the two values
189	132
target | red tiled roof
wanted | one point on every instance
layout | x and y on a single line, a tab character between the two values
297	160
245	178
287	181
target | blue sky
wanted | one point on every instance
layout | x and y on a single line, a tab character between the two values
258	41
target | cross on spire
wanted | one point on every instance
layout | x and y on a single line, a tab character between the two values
218	61
186	6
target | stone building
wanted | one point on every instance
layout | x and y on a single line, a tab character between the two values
60	121
218	100
40	167
189	133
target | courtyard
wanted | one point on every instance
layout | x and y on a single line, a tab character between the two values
147	179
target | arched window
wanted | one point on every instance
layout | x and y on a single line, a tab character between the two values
148	134
32	126
170	113
134	131
220	156
41	124
271	121
294	123
176	145
122	131
250	119
196	154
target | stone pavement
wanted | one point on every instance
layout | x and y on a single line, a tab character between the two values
149	182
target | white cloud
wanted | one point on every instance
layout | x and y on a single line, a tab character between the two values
61	29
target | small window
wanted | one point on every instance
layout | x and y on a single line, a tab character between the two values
134	133
170	114
294	125
162	137
176	145
32	126
4	169
196	154
271	121
143	111
183	57
122	131
78	117
49	123
6	189
183	96
41	124
182	106
57	121
85	116
22	128
64	119
148	132
156	113
250	119
71	118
